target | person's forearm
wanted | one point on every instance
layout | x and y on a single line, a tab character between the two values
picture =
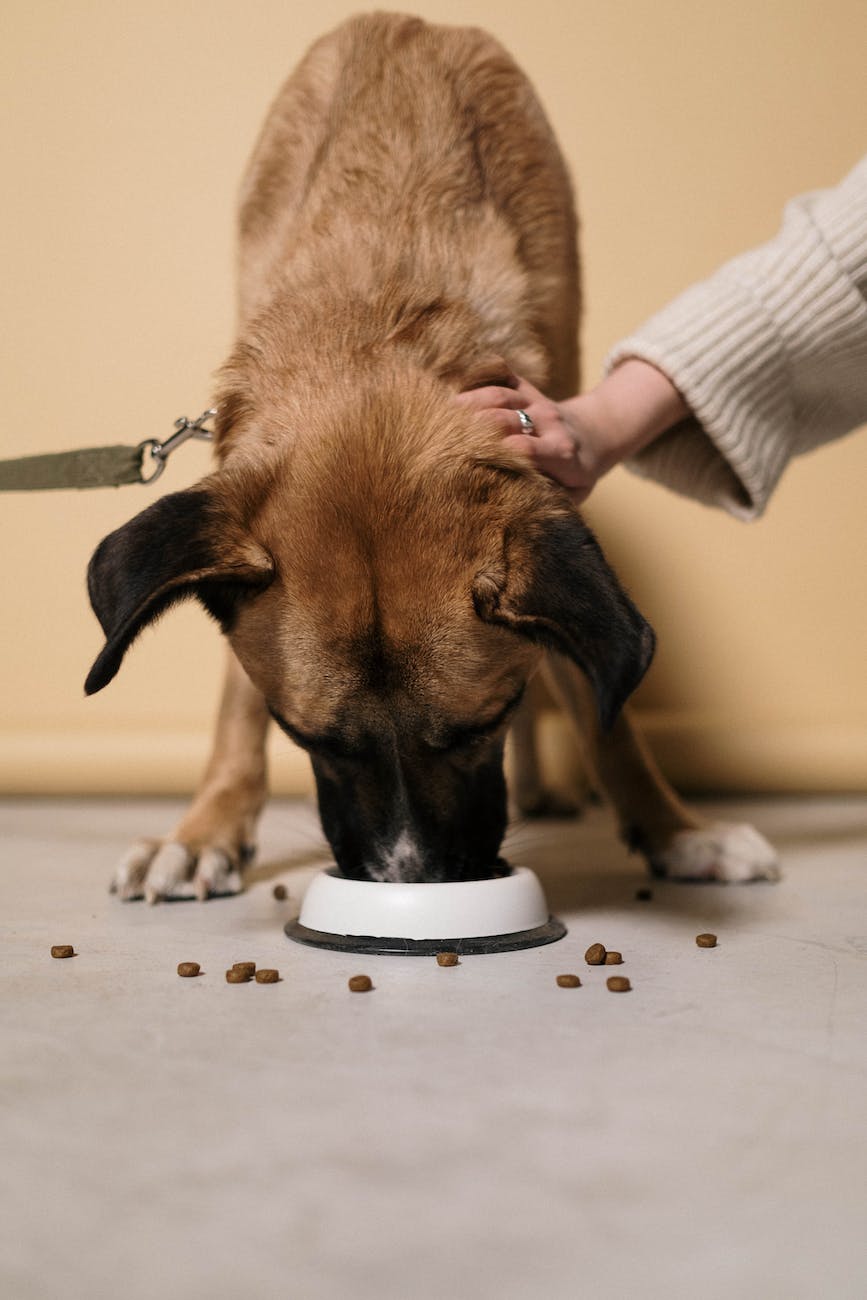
631	407
770	353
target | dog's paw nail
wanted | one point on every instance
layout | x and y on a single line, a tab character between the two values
131	870
216	874
185	889
170	868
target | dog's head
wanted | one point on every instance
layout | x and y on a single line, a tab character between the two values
389	589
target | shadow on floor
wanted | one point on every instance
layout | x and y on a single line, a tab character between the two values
303	858
584	868
600	891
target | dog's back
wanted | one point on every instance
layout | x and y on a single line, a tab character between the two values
406	178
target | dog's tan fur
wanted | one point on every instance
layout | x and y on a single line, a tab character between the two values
407	230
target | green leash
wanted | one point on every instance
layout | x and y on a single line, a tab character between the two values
93	467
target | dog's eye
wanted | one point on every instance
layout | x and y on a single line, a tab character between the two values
465	739
456	743
323	746
466	744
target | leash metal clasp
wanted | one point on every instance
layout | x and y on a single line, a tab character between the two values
160	451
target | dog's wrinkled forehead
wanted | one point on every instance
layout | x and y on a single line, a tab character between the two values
359	659
373	589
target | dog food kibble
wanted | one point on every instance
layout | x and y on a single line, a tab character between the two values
613	959
62	950
644	895
267	976
618	984
188	968
237	977
595	954
279	892
706	940
360	983
568	981
245	968
447	959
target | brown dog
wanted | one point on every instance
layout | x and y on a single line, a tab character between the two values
387	574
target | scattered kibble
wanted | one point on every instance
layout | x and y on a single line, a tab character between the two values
613	959
280	893
618	984
568	981
644	895
267	976
447	959
595	954
706	940
245	968
62	950
360	983
188	968
237	977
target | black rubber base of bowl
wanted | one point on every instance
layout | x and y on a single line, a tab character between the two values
548	933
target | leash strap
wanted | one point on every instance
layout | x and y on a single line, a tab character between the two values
89	468
93	467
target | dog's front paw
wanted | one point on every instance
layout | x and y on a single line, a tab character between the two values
722	851
169	869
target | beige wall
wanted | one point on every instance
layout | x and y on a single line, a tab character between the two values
687	125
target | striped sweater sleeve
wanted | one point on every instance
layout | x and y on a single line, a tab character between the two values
770	354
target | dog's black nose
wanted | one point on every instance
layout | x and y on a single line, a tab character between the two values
392	820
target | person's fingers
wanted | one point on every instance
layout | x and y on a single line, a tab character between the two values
549	447
505	422
534	449
517	425
509	422
524	444
551	456
552	447
492	397
527	394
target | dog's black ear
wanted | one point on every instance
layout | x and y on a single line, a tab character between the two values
556	587
185	544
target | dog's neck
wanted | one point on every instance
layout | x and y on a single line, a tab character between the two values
443	292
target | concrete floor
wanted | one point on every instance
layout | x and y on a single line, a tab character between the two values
473	1132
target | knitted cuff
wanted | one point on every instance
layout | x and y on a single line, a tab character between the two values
723	353
770	354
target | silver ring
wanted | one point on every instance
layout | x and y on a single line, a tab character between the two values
527	425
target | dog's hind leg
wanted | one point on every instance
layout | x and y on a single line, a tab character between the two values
208	850
675	840
532	793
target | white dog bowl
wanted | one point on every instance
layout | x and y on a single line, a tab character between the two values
466	916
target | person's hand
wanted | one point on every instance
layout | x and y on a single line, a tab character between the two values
562	443
577	441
